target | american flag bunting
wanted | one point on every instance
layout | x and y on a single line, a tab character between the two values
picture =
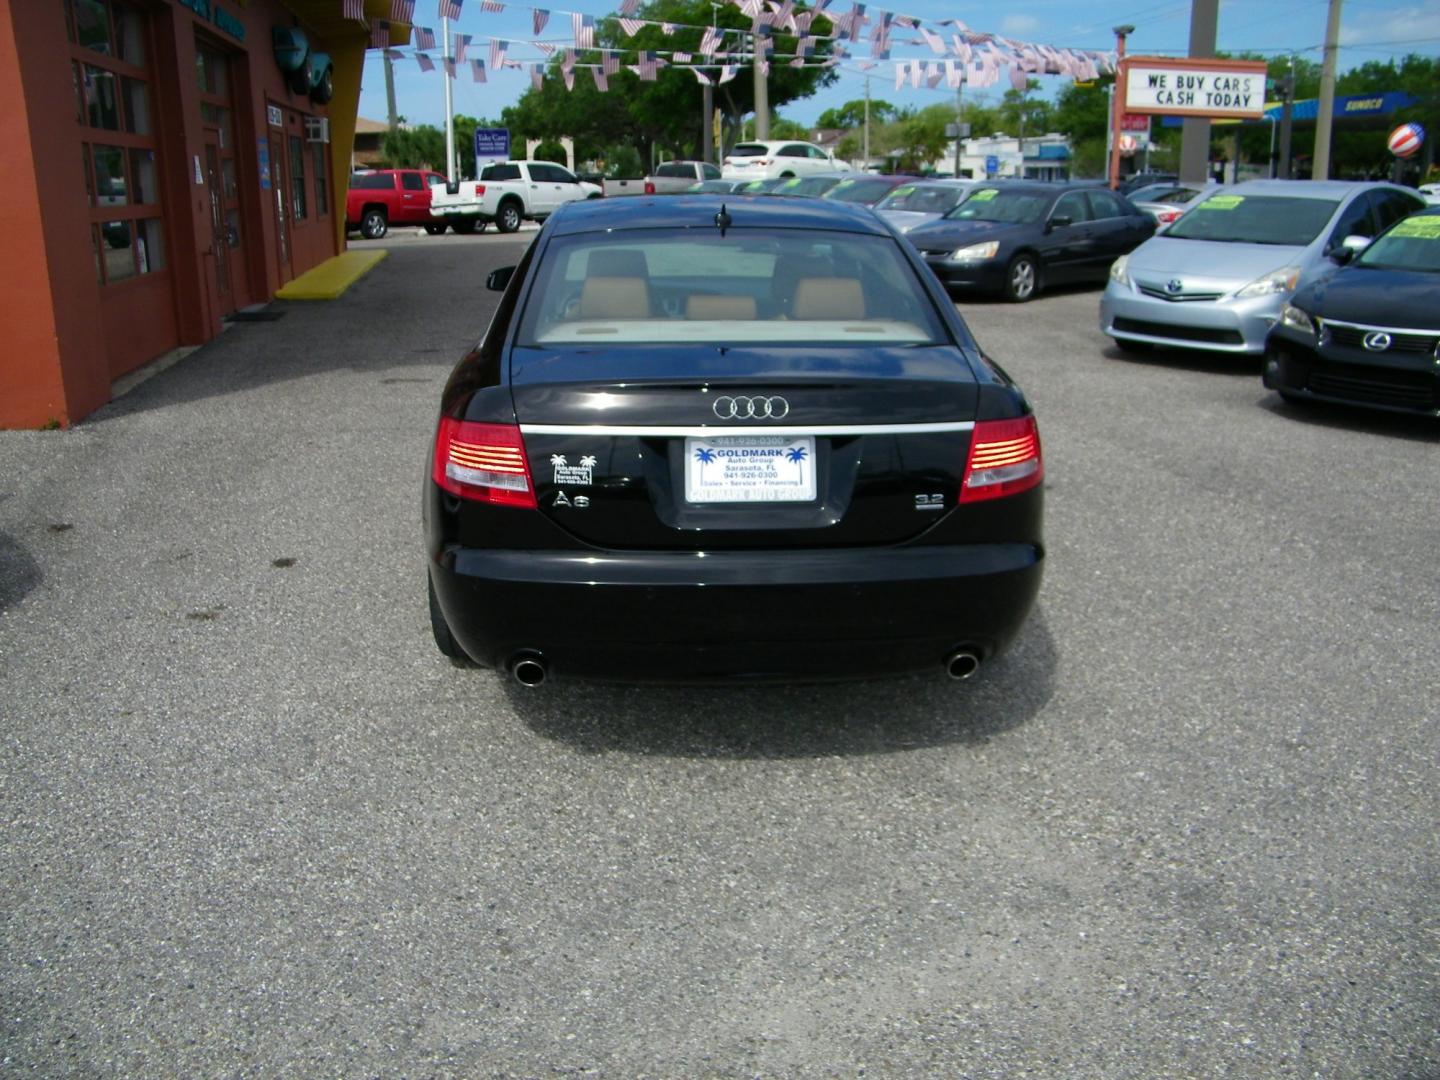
602	81
537	76
629	7
492	6
426	64
424	38
701	76
710	42
498	49
538	23
353	9
449	66
477	70
402	11
379	34
450	9
631	27
648	68
584	30
462	42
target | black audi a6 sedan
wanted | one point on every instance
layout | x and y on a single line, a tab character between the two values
711	437
1368	334
1015	238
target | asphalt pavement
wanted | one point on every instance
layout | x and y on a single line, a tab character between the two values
256	826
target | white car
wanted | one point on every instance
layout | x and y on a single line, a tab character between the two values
767	160
1431	193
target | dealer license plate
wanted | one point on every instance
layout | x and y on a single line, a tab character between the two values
750	468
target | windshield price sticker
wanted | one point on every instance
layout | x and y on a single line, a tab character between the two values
1425	228
984	194
1221	202
742	469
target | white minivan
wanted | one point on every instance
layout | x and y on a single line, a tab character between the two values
765	160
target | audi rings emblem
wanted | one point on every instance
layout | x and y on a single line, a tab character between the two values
1379	341
751	408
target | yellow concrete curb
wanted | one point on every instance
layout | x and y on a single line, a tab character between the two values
331	278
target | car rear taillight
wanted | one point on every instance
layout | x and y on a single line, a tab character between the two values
479	190
483	462
1004	459
1167	216
649	187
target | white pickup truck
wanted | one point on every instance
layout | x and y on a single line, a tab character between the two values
508	193
669	178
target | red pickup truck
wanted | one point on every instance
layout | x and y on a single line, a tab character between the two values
376	200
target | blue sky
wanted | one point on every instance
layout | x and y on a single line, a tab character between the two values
1370	30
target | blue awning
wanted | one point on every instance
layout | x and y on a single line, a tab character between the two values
1346	105
1050	153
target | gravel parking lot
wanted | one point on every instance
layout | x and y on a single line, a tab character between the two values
256	826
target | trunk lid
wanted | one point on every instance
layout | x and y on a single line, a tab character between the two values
862	447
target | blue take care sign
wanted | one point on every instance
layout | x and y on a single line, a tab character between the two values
492	144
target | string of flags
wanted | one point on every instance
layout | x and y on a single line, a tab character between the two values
958	56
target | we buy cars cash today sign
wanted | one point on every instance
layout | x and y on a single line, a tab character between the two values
1219	89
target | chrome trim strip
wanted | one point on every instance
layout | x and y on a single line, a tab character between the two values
1412	331
703	431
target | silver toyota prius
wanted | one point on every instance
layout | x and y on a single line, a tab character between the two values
1217	278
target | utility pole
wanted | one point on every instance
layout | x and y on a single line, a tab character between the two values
1195	133
391	113
959	122
1326	118
762	93
1287	120
707	106
449	102
1117	104
866	150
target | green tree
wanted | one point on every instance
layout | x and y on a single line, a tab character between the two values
852	115
781	128
666	113
1021	112
1082	110
420	147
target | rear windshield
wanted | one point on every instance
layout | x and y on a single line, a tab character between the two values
678	286
749	150
1255	219
860	191
1002	204
372	181
919	198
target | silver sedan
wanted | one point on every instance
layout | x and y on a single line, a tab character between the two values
1217	278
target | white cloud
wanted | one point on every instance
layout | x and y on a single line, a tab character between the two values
1016	25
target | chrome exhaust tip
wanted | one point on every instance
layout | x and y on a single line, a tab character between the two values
962	663
527	669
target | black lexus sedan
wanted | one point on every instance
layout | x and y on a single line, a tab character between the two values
1016	237
711	437
1368	334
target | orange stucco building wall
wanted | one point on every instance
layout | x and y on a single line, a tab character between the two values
161	172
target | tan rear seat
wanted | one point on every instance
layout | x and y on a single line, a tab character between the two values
615	298
720	307
828	298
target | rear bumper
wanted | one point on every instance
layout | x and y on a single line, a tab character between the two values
680	616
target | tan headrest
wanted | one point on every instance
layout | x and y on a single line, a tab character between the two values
720	307
615	298
828	298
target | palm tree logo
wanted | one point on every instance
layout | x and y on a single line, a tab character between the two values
704	455
796	456
588	461
558	460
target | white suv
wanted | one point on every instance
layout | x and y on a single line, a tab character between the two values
764	160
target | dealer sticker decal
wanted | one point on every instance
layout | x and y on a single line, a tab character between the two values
565	473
